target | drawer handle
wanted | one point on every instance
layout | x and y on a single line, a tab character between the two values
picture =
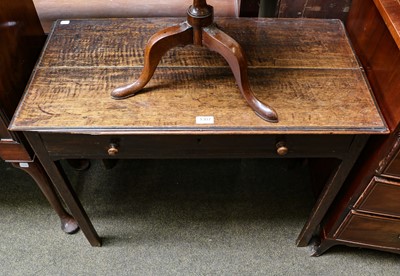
281	148
113	149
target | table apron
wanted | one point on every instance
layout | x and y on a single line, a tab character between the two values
63	146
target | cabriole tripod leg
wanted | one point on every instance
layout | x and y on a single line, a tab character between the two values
157	46
218	41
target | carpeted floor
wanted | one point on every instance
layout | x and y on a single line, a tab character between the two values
175	217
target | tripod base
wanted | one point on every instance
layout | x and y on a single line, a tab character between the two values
194	32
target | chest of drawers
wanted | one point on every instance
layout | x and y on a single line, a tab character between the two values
367	214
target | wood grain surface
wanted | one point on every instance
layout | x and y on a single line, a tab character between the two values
304	68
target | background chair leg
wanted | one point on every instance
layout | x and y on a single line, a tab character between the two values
36	171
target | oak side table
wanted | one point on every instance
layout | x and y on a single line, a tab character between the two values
191	108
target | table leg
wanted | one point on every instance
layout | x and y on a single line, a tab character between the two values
330	191
64	188
36	171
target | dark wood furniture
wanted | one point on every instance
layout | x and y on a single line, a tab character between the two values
368	212
191	107
314	9
22	39
296	8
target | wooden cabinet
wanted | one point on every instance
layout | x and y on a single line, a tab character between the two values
374	220
314	9
19	27
295	8
367	214
22	39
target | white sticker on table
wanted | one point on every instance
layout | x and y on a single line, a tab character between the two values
205	120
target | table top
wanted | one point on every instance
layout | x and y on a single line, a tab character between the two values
304	68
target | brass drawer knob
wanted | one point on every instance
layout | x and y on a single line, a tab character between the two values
281	148
112	150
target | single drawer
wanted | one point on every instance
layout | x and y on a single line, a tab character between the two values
370	230
393	169
194	146
381	197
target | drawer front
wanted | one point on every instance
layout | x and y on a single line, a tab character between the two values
194	146
10	148
381	197
370	230
12	151
393	169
